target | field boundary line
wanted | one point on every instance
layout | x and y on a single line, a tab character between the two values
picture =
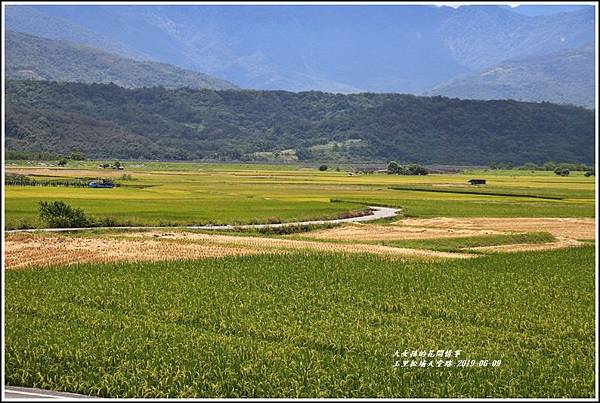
485	193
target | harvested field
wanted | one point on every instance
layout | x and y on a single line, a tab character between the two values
34	250
574	228
567	230
522	247
275	243
362	232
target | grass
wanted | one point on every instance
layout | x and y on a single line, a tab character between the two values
200	193
456	244
305	325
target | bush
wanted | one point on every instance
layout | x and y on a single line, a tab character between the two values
58	214
323	168
591	172
562	172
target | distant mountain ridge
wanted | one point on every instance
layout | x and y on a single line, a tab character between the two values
107	121
567	77
379	48
28	19
31	57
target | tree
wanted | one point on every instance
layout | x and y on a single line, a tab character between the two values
392	167
58	214
562	172
323	168
77	156
117	164
415	169
62	162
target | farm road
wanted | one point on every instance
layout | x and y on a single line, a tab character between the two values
376	214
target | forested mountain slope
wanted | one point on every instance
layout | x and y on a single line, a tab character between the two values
108	121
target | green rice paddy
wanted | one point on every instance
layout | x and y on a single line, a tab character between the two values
306	325
198	194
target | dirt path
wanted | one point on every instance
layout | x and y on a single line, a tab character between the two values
376	214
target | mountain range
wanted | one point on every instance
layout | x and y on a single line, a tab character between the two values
31	57
378	48
307	83
563	77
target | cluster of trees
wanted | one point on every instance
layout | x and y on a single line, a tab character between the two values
562	172
410	169
24	180
547	166
559	168
107	121
566	172
43	156
115	165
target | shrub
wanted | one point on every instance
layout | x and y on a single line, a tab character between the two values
58	214
323	168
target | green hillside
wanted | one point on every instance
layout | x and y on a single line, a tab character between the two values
107	121
31	57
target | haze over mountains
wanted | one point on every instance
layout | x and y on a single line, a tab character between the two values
565	77
34	58
408	49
